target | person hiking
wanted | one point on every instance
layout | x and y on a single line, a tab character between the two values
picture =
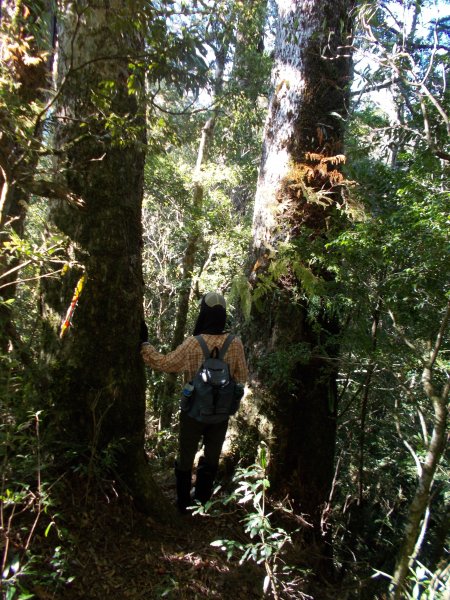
187	358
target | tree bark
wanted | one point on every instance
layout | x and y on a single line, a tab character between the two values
303	143
98	381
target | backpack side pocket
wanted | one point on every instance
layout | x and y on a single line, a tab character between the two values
187	397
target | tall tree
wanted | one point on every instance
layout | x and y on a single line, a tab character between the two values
298	196
98	376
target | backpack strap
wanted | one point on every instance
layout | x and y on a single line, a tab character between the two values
226	345
203	345
223	350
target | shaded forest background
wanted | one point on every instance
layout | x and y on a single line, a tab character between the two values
293	155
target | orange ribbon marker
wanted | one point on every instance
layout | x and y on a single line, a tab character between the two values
68	320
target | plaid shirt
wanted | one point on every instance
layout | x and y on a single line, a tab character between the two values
188	357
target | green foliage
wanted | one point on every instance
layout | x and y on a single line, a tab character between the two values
388	289
279	366
295	266
169	220
266	542
241	292
25	45
423	584
31	531
426	584
391	275
29	260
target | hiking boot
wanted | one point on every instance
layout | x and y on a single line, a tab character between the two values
183	481
204	481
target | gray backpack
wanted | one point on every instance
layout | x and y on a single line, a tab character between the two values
216	395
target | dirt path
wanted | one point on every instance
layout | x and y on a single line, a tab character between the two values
121	554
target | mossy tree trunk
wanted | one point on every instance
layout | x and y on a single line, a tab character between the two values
98	381
293	348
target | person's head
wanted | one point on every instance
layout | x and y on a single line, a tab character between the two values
213	314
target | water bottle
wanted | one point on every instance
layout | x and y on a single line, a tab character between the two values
187	390
186	397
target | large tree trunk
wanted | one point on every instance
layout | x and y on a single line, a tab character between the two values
302	144
99	383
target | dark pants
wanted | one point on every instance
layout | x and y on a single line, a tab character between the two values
191	431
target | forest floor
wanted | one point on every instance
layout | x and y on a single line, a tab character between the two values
111	551
119	553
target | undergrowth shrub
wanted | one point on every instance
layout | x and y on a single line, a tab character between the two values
33	540
267	543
